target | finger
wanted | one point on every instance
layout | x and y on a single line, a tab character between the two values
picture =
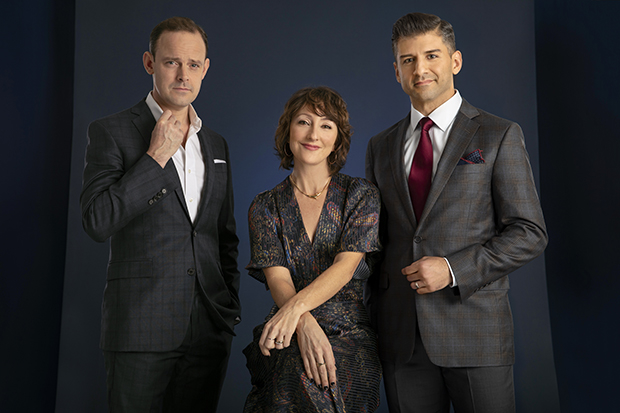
279	343
165	116
307	368
331	374
322	368
330	370
330	364
316	376
266	342
287	340
413	277
264	335
410	269
267	345
420	287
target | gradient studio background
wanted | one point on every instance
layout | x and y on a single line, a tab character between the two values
549	65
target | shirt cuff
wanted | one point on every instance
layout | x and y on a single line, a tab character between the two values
454	284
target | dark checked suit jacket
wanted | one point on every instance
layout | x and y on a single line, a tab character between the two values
156	252
484	217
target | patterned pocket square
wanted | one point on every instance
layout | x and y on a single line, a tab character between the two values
219	161
473	158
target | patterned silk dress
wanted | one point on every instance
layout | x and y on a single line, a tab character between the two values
349	221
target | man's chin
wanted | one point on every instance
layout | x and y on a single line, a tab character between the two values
179	104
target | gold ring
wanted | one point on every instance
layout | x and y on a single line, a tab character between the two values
320	364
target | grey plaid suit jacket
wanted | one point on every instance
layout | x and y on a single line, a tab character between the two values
156	253
485	218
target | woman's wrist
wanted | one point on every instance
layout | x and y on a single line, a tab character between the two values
304	320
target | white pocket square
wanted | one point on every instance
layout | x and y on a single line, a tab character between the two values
219	161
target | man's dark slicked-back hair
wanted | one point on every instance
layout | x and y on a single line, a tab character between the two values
176	24
415	24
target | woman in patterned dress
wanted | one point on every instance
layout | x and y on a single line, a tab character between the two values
311	237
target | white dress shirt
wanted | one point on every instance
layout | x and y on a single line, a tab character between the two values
443	119
188	160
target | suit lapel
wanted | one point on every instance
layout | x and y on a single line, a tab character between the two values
145	123
207	156
396	143
463	131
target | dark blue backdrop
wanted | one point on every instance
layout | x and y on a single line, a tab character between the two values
260	54
578	56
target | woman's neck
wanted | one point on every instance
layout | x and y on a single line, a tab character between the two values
310	181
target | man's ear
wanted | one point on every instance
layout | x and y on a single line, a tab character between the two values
148	60
206	67
396	73
457	62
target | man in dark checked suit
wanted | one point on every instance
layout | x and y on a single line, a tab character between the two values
158	184
460	212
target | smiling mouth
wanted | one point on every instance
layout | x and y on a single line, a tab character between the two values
310	147
423	82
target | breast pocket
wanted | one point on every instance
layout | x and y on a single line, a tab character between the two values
467	168
219	183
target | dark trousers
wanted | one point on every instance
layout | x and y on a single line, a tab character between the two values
188	379
419	386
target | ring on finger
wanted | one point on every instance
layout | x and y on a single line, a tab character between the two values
279	342
320	364
272	339
417	285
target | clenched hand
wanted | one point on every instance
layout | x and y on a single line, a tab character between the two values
166	138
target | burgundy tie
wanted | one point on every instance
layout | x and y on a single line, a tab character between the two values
421	169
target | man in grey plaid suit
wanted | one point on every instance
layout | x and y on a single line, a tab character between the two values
157	183
439	297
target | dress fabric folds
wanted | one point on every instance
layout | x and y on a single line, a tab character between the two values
348	222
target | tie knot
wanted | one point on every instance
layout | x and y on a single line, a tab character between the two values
426	124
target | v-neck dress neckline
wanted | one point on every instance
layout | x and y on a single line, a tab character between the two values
291	188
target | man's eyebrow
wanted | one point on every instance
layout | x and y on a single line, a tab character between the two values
167	58
404	56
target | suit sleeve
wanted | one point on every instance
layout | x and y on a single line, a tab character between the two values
520	228
117	188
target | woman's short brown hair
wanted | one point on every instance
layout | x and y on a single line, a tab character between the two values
325	102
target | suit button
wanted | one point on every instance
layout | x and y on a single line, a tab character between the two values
163	191
151	202
191	271
194	233
417	239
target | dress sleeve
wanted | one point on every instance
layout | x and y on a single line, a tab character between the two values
266	249
361	226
